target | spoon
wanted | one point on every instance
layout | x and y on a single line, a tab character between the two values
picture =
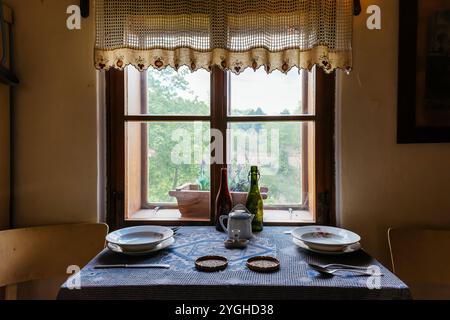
333	271
338	266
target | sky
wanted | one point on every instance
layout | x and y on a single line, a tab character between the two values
272	93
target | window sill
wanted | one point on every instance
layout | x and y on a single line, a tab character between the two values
270	216
163	215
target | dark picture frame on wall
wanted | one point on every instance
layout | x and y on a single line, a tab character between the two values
424	72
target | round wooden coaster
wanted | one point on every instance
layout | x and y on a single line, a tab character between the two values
211	263
263	264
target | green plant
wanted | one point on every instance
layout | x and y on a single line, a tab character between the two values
202	180
239	179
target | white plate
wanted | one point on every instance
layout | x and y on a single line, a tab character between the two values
139	238
319	237
349	249
163	245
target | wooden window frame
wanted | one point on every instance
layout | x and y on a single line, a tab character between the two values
219	119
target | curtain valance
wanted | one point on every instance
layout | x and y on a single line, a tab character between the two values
232	34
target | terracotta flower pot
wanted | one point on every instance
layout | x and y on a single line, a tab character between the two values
194	203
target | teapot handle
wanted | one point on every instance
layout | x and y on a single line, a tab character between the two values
242	207
221	219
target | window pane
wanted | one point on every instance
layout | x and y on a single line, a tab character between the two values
280	149
178	154
258	94
168	92
172	159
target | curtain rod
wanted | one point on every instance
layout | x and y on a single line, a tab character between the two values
357	7
84	6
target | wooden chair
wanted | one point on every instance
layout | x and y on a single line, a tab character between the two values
46	252
422	259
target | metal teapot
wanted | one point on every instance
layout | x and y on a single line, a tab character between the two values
238	219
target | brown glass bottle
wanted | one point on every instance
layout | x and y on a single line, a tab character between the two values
224	204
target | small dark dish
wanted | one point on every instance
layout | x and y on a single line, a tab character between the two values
211	263
263	264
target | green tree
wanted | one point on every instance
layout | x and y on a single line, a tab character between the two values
164	89
169	94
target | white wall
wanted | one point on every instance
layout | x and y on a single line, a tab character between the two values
385	184
56	133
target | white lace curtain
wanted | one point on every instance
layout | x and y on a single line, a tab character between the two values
231	34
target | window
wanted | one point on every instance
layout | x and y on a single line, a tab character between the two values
170	133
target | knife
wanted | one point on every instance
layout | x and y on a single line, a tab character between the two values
133	266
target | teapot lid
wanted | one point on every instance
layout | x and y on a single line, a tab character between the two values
240	215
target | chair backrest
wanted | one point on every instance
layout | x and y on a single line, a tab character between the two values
421	258
46	252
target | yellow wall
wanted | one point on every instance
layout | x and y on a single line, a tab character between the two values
4	156
385	184
56	166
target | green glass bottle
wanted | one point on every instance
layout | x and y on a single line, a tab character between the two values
255	201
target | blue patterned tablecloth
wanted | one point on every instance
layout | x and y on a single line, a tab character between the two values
295	280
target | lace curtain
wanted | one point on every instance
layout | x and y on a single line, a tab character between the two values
231	34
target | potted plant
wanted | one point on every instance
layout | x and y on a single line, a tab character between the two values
239	185
194	198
